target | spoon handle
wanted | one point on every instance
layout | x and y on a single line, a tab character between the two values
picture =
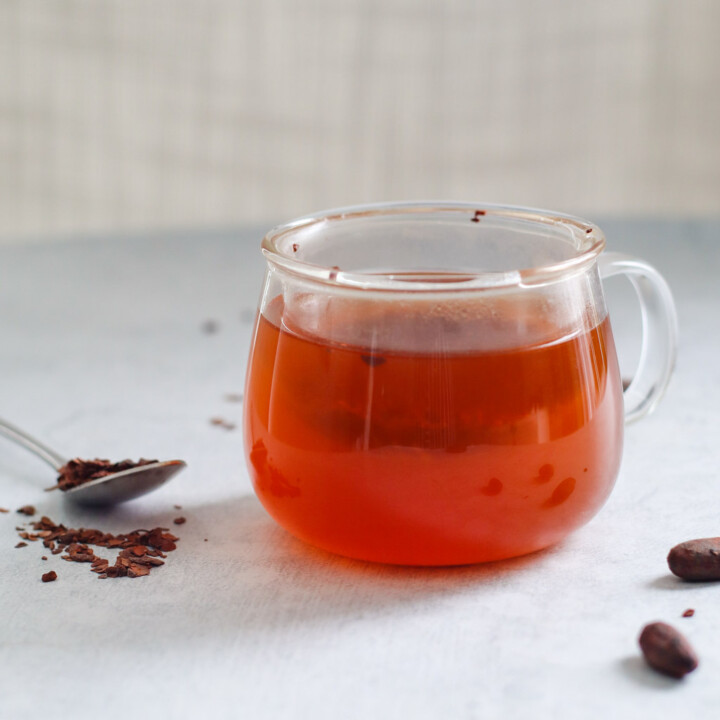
30	443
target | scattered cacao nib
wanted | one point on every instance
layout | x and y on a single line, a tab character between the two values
49	576
44	557
21	544
180	520
140	550
373	360
588	230
178	507
221	422
28	510
666	650
78	472
295	247
134	570
209	327
696	560
4	510
688	613
477	216
77	552
234	397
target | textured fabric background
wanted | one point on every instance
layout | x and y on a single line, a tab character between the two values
129	114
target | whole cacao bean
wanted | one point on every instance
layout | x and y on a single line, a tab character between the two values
666	650
696	559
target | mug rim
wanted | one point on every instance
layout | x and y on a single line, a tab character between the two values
589	237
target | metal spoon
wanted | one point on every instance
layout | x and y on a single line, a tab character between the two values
108	490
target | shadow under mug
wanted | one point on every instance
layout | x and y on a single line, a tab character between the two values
437	383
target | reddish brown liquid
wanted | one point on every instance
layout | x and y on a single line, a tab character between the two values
434	458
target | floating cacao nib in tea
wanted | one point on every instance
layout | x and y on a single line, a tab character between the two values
78	472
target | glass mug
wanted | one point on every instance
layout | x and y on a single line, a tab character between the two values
437	384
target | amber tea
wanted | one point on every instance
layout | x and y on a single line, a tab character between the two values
482	454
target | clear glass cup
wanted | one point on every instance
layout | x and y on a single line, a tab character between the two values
437	383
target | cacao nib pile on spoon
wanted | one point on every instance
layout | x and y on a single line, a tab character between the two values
77	472
97	482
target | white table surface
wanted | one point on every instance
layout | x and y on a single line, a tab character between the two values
103	354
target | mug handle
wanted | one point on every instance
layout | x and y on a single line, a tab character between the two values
660	332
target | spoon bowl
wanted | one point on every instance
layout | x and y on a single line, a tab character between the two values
124	485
